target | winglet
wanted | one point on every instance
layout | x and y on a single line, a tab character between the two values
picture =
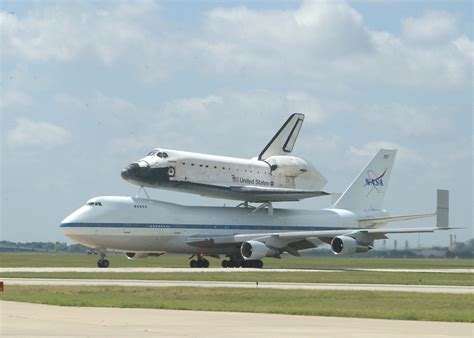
442	210
283	141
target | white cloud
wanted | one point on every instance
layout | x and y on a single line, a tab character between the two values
29	133
317	42
69	31
432	27
328	41
240	38
369	149
465	46
14	99
408	120
298	102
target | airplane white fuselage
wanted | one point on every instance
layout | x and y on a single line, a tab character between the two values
128	224
221	177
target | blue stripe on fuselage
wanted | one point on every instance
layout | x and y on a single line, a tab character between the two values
199	226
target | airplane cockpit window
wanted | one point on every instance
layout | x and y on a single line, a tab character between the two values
95	203
162	155
153	152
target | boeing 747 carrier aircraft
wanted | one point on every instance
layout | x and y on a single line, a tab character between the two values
144	227
274	175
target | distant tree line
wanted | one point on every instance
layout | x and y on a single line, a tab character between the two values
7	246
462	250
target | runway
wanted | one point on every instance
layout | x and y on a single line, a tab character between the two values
24	319
263	285
173	270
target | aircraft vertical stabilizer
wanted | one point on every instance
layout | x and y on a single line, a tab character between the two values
367	191
284	140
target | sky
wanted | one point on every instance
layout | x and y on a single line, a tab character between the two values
88	87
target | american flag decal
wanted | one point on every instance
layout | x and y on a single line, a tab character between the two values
385	157
235	179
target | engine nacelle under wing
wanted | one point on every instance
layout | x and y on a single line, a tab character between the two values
142	255
345	245
252	250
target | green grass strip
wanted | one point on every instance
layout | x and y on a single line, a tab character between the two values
362	304
170	260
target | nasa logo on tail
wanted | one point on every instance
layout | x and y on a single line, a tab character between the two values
373	180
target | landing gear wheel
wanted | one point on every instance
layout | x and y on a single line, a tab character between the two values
259	264
193	263
205	263
103	263
230	264
224	263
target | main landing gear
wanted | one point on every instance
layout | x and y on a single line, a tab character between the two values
102	262
244	264
200	262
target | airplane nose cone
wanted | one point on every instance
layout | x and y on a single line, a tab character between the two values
129	171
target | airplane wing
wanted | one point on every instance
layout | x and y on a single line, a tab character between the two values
251	193
264	194
299	240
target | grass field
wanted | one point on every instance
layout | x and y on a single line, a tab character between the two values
388	305
82	260
357	277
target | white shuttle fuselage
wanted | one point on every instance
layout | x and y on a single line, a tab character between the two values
274	175
278	178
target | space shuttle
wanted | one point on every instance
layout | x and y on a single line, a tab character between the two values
273	176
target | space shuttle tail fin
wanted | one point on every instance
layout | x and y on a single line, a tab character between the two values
284	140
368	189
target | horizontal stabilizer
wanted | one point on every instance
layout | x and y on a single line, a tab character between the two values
382	220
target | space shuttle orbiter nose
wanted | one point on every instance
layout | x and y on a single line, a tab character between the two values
130	171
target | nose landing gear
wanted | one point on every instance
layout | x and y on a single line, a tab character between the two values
102	262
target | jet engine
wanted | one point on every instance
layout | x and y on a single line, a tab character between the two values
252	250
344	245
142	255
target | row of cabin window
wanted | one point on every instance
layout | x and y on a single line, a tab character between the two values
139	206
95	203
215	167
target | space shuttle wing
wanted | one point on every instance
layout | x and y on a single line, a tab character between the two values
269	194
283	141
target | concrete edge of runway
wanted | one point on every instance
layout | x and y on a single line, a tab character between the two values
189	270
261	285
26	319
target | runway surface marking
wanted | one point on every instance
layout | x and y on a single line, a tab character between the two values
24	319
217	284
230	270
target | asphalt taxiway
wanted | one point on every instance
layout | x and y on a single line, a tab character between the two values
24	319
